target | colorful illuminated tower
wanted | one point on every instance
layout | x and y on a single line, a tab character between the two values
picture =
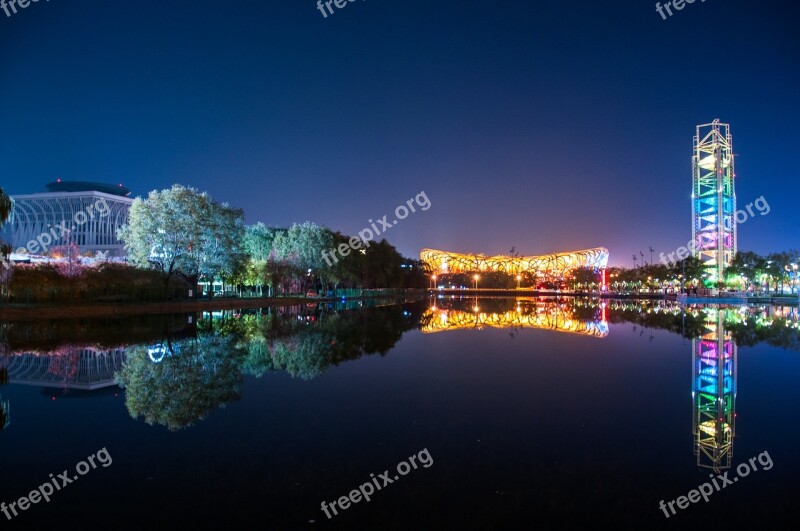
714	394
713	199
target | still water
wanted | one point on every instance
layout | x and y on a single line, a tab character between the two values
515	414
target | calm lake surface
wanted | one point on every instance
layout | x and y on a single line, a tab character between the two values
535	414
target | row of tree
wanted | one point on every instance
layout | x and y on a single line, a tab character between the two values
183	232
747	271
187	236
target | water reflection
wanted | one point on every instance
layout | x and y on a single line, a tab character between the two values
5	413
456	314
716	333
80	368
191	379
714	393
5	407
177	369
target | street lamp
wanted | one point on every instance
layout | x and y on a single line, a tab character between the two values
519	277
476	277
433	277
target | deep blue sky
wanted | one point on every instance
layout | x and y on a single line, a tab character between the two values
542	125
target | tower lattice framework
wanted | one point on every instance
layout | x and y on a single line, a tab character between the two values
714	199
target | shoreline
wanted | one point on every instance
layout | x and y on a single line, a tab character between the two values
28	312
469	292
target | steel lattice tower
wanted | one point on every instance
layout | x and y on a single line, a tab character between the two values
713	199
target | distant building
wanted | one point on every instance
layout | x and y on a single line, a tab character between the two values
83	214
551	265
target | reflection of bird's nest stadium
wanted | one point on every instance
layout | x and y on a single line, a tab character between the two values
460	314
553	265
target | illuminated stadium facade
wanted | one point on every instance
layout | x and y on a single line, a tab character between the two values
552	265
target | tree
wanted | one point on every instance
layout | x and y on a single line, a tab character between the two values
778	267
301	249
258	241
691	268
348	269
585	276
6	205
305	243
220	253
183	231
256	248
748	265
382	266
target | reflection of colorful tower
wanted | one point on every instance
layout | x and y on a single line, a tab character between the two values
713	198
714	394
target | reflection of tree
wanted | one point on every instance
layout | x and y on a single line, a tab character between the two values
306	346
57	336
777	332
748	327
652	316
305	355
65	364
5	418
186	384
259	358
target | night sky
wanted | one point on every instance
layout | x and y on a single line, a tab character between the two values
545	126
